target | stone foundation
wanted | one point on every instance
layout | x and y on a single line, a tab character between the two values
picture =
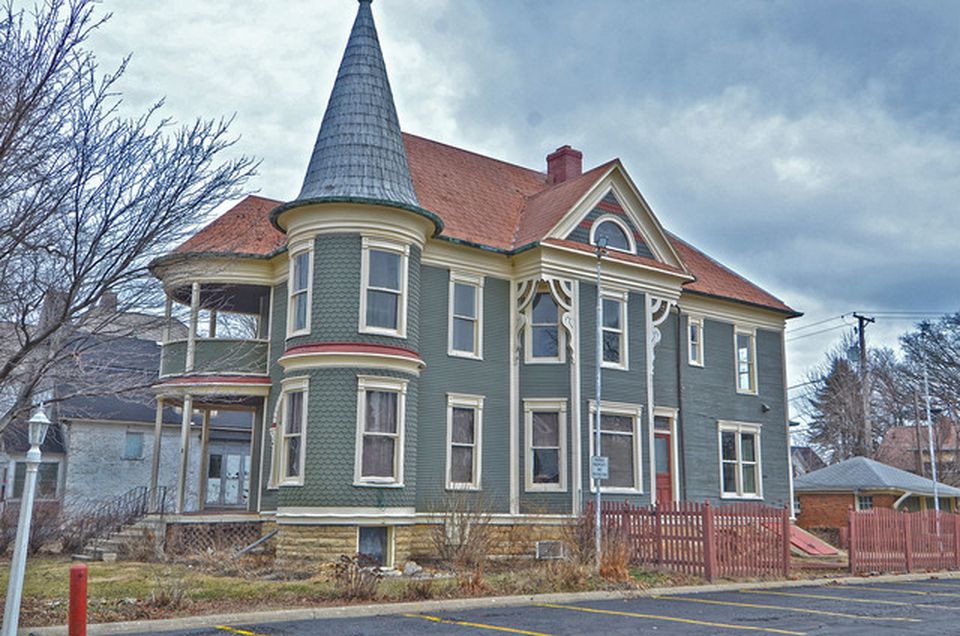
325	543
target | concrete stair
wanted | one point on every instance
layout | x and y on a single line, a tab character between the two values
111	547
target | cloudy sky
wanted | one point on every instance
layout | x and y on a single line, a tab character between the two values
812	146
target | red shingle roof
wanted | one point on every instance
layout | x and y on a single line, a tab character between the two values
481	201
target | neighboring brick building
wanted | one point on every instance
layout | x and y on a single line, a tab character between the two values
908	448
826	496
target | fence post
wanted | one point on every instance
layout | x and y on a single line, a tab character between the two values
956	540
786	542
657	534
852	540
907	540
709	544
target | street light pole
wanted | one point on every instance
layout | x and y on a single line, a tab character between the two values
18	564
601	248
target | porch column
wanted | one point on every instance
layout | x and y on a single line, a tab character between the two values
204	457
155	466
192	334
184	453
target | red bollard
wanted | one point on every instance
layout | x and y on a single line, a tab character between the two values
78	600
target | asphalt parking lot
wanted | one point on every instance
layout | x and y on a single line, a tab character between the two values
930	606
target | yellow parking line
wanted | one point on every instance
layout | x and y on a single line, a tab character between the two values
234	630
675	619
787	608
915	592
496	628
848	599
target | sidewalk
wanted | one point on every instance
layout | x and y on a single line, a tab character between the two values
355	611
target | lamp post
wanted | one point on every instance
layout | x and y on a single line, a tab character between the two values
38	426
597	461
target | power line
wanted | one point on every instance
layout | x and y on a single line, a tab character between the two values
817	333
814	324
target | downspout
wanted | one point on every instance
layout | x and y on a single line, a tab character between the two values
681	455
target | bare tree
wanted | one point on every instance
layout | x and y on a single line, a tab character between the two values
88	198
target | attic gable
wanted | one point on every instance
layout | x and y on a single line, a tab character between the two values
613	196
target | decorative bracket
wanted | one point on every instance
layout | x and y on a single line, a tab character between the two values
561	290
657	311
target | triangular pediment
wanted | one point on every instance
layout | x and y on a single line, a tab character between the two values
614	197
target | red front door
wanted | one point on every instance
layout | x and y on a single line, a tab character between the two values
661	452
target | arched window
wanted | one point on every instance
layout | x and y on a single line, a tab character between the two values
614	232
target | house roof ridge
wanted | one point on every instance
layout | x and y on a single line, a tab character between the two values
504	162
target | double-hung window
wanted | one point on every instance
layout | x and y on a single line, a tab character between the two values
620	443
292	452
465	328
380	428
746	361
132	445
543	333
545	423
48	480
383	302
298	313
740	472
464	434
695	341
614	309
864	502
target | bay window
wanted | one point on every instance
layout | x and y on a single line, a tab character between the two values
543	333
614	328
380	430
383	303
298	310
292	447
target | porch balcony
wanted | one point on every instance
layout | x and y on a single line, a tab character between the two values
227	330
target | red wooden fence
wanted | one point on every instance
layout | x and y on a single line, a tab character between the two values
884	540
736	540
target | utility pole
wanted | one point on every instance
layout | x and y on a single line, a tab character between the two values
867	447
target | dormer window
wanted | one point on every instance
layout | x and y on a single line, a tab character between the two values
616	233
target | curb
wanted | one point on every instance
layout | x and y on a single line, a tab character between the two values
386	609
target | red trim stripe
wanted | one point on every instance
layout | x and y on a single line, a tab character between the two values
352	347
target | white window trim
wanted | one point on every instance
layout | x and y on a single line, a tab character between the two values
540	404
603	218
11	468
738	428
379	244
377	383
858	504
624	364
740	331
475	402
391	556
634	411
291	385
291	332
528	357
477	282
696	361
143	439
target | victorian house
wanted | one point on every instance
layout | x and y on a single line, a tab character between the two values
419	324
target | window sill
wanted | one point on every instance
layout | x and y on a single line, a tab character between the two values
295	334
463	487
377	484
545	361
694	363
618	491
464	354
615	367
377	331
290	482
545	488
743	497
753	392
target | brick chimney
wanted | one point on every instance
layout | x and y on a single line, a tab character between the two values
564	163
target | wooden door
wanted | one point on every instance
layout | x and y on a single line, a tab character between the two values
664	463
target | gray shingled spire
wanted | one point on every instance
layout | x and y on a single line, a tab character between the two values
359	152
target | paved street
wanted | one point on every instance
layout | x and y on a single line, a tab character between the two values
917	607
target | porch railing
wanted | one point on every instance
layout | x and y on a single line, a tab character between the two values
110	517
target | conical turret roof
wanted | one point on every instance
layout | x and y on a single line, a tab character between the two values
359	151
